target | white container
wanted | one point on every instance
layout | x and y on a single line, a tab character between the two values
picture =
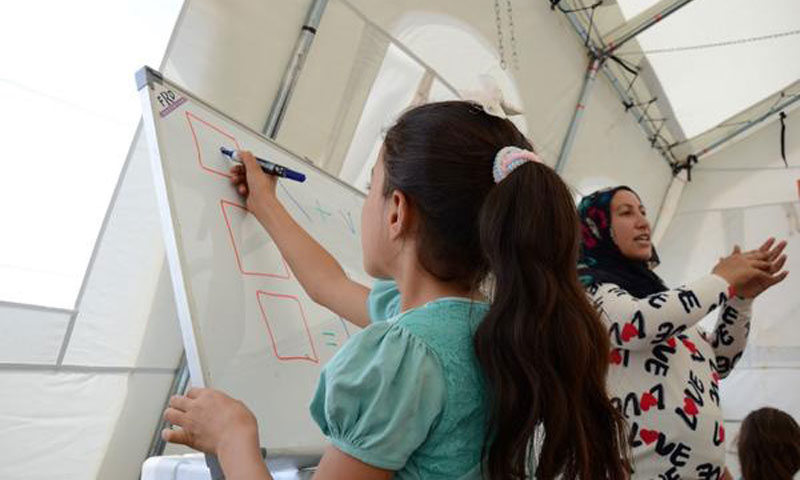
192	466
176	467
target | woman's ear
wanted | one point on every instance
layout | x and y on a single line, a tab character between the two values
399	215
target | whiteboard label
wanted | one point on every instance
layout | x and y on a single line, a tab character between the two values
170	101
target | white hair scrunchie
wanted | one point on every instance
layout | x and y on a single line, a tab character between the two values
509	158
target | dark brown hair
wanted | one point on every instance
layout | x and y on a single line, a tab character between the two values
769	445
542	346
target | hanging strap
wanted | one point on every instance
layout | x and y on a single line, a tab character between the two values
783	139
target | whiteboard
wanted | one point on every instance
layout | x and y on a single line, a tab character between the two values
248	327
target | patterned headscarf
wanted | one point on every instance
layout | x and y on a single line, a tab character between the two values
601	260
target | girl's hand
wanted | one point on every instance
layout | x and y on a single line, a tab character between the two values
252	183
210	421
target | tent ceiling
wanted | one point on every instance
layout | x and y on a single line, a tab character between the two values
704	143
696	89
706	86
631	8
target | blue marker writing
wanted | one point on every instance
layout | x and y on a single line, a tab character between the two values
267	166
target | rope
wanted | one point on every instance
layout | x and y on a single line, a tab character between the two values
713	45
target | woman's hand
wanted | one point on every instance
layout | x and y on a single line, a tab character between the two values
252	183
753	272
773	254
210	421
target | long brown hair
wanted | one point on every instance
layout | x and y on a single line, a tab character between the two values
769	445
542	346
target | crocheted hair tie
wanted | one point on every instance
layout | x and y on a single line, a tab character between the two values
509	158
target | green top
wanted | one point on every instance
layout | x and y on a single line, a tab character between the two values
407	393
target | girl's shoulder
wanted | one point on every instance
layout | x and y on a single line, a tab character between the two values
389	342
445	325
440	324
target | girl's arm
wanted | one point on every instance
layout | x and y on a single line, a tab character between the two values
336	464
243	461
213	422
318	272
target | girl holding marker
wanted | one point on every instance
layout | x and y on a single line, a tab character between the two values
443	382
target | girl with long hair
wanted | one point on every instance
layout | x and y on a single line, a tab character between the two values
444	383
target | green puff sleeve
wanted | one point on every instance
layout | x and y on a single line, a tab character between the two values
379	397
383	301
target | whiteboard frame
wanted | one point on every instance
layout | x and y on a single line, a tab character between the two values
146	78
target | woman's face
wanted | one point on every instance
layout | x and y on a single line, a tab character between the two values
630	229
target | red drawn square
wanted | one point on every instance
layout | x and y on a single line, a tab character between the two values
287	326
247	236
207	140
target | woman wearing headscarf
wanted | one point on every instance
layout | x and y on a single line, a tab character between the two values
665	370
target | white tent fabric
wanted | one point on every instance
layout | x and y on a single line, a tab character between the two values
68	108
609	147
705	86
83	389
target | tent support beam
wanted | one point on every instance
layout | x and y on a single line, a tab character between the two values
577	115
307	34
599	55
629	30
747	126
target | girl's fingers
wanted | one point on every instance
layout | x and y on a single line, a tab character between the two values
195	392
250	164
179	402
176	436
174	416
242	189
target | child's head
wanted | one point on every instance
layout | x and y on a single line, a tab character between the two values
542	346
428	186
769	445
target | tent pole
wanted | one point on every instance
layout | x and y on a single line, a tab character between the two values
179	384
577	115
301	49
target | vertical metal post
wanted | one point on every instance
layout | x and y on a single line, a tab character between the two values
179	384
577	115
301	48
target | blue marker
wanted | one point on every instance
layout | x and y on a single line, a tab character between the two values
267	166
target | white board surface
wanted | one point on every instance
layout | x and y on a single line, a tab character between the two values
248	327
